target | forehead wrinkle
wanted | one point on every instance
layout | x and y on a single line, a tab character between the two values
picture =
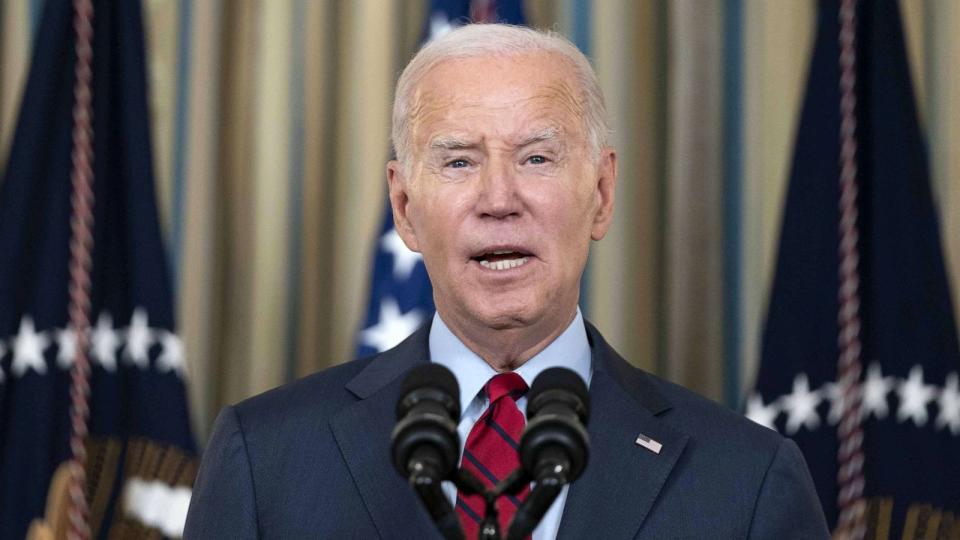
561	93
430	108
427	103
423	105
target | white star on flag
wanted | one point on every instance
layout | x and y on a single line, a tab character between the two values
66	347
801	406
875	390
171	358
28	349
837	402
392	327
139	339
765	415
949	403
404	260
914	396
105	342
439	25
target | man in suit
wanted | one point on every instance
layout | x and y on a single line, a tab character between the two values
502	179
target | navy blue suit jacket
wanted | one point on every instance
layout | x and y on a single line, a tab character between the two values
312	460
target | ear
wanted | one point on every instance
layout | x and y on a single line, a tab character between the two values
605	187
399	202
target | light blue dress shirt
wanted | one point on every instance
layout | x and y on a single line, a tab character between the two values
570	350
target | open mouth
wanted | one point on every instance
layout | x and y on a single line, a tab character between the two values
502	259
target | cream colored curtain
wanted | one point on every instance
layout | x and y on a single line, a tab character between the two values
777	42
15	37
271	124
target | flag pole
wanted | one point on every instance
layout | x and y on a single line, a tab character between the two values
81	249
850	477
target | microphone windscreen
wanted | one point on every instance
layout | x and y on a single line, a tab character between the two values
430	376
559	378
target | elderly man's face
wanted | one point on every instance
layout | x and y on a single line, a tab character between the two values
503	195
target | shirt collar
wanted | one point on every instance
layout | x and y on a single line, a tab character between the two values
570	350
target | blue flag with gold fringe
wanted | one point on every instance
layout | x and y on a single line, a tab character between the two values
909	388
401	297
141	457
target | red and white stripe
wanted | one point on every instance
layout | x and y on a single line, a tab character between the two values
81	249
850	478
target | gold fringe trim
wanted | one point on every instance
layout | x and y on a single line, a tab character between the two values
146	459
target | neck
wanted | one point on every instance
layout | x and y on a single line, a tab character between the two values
507	348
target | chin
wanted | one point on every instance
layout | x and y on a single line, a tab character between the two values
503	317
505	321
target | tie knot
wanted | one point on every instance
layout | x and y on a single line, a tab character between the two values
506	384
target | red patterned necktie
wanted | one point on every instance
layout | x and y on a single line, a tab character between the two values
491	452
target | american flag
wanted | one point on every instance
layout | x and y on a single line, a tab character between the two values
401	298
140	453
881	295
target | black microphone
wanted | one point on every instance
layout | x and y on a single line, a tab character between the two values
554	446
425	443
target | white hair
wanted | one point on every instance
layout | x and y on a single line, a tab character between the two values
475	40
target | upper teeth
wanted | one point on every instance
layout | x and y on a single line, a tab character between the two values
505	264
502	252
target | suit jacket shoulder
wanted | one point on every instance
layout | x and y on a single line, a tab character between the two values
301	403
294	462
716	426
711	474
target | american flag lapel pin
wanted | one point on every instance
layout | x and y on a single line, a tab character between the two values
648	443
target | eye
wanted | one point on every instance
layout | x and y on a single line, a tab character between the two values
458	163
537	160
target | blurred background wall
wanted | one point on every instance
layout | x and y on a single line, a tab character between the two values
271	131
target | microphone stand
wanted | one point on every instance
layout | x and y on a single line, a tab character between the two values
529	514
468	484
551	480
425	479
551	476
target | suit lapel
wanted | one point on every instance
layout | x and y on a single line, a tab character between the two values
622	479
362	432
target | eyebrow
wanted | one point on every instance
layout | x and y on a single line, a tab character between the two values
546	134
448	142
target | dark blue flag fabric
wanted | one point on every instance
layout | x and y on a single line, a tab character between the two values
141	458
909	386
401	297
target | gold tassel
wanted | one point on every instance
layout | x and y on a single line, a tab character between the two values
54	524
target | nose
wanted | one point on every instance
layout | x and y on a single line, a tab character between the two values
499	196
